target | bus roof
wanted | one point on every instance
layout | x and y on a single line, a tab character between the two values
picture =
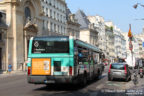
86	45
51	38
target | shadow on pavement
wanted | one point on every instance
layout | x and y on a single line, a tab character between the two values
59	87
67	87
120	80
106	93
89	93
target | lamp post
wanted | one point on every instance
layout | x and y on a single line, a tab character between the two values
136	5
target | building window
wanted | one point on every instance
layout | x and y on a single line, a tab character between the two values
54	27
27	13
61	29
58	16
54	15
0	36
51	27
50	13
43	25
47	25
58	29
47	12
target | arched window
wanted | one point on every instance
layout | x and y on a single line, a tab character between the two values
27	13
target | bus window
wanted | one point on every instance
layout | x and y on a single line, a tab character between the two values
83	55
94	58
50	46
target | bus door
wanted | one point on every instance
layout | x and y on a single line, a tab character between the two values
96	61
83	60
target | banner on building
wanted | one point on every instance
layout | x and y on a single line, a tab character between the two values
130	33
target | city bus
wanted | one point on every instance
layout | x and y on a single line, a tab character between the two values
62	59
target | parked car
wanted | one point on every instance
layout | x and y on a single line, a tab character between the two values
140	66
119	70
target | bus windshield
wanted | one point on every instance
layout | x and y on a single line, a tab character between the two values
50	46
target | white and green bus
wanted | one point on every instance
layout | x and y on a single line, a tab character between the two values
62	59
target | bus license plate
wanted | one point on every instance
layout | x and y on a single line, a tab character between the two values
117	73
49	81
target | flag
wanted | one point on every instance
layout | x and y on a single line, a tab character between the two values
130	33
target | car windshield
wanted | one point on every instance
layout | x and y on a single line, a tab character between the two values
117	66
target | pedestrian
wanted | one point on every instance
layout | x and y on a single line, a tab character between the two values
9	68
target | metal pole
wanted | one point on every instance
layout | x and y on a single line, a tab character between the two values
132	59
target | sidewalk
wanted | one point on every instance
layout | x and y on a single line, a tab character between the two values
13	73
137	90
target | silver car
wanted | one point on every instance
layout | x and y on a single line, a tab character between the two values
119	70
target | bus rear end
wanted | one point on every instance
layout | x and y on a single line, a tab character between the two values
50	60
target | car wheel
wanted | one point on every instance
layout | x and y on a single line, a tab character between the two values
127	79
84	81
141	76
130	78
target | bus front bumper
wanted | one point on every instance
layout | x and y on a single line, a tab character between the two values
50	79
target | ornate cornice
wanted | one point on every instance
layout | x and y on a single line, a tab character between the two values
15	2
73	23
31	26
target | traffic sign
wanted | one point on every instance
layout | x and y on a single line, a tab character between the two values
130	45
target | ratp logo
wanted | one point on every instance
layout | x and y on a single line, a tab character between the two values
36	44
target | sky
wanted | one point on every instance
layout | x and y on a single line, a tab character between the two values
120	12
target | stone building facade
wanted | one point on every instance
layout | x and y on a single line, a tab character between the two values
54	18
120	43
25	19
88	32
73	27
99	23
110	48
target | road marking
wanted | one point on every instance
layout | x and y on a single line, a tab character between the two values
99	86
115	84
93	94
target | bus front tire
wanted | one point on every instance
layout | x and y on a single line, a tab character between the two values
83	80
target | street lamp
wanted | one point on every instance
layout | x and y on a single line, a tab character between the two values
136	5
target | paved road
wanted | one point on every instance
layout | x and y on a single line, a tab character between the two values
16	85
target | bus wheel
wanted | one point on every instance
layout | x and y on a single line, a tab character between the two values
84	82
84	79
98	76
